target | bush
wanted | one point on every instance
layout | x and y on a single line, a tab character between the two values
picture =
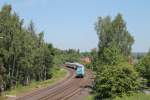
112	81
144	68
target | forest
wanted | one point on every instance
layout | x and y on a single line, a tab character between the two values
24	55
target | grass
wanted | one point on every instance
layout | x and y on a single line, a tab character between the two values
2	98
90	97
135	96
58	74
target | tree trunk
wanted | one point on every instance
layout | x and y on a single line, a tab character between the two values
45	74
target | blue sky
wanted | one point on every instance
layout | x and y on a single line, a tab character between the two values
70	23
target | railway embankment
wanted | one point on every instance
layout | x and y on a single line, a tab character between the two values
59	74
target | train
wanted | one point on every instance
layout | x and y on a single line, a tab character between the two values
80	69
70	65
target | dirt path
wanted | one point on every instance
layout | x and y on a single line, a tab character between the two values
70	88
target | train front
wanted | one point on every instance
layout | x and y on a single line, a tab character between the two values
80	71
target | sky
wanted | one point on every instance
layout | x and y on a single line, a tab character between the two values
70	23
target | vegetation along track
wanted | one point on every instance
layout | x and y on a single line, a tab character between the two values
61	91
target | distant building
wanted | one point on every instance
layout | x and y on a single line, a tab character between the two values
94	50
86	59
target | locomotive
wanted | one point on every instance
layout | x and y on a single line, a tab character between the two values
80	69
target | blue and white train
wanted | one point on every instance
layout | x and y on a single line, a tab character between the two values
80	70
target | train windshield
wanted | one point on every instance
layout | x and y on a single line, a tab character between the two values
79	66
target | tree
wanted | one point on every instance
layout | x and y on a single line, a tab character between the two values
123	37
116	80
111	55
23	52
144	67
31	28
114	30
2	70
114	75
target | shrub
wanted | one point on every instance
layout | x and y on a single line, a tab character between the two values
144	68
112	81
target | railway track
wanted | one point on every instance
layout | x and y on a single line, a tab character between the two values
63	90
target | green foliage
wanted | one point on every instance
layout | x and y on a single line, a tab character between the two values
111	55
2	70
114	76
62	56
144	67
116	80
114	30
58	74
23	52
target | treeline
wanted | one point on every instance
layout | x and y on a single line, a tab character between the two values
115	73
24	56
62	56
